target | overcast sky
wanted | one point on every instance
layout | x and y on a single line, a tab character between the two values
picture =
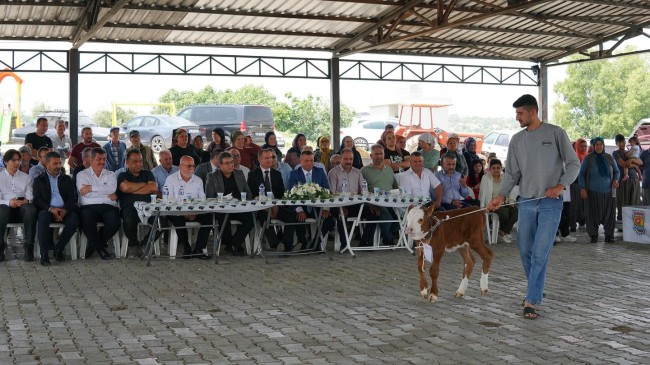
100	91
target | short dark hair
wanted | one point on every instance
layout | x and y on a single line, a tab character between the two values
634	139
526	100
83	130
132	152
38	121
261	152
417	154
495	161
215	152
306	153
52	154
97	151
42	149
224	155
619	137
9	155
449	156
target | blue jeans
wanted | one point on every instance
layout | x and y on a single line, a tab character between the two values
538	223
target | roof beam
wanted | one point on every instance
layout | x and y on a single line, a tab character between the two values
385	19
521	31
99	24
87	19
505	10
619	4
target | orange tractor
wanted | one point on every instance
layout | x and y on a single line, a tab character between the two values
416	119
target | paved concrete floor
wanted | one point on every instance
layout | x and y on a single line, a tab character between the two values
309	310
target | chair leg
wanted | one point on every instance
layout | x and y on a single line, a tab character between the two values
173	243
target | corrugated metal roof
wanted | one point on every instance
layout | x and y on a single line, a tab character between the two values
535	30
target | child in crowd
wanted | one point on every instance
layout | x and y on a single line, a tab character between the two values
633	153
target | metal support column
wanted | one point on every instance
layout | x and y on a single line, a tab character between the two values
543	92
73	71
335	102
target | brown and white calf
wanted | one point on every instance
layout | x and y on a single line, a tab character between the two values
444	231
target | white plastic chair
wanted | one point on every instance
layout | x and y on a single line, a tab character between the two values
192	232
247	241
141	233
492	227
71	247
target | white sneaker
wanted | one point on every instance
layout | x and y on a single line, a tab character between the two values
506	239
558	239
569	239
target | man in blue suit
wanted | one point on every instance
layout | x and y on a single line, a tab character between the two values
305	173
114	151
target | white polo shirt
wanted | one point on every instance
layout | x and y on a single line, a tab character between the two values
418	186
12	187
102	186
194	186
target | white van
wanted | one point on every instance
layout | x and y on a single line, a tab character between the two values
497	142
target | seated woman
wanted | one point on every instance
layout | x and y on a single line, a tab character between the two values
198	144
395	157
348	142
293	154
489	189
475	176
323	152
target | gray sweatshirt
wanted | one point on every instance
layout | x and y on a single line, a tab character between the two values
539	160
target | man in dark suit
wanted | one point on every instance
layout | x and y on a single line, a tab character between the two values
307	173
55	200
227	180
272	181
208	167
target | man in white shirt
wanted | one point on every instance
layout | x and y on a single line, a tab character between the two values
191	185
421	182
98	200
15	203
60	142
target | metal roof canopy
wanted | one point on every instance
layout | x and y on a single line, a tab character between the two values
539	31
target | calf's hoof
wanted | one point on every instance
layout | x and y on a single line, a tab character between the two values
459	294
433	298
425	293
484	292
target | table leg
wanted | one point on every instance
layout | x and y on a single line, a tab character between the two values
216	242
402	227
152	236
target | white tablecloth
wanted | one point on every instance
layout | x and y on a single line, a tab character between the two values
636	224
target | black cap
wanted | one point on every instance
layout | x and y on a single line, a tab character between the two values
134	132
619	137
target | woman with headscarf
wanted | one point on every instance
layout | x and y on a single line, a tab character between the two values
323	152
599	174
293	154
197	142
577	207
247	154
470	152
271	141
348	142
427	144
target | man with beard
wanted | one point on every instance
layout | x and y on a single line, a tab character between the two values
55	200
87	141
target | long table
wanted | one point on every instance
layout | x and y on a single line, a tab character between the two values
158	209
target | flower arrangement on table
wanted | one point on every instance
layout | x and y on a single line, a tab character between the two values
307	191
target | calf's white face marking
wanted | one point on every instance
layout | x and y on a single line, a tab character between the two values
414	220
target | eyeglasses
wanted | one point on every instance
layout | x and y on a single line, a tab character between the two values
236	156
15	160
190	166
274	157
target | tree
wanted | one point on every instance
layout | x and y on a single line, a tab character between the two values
104	117
39	108
311	116
603	98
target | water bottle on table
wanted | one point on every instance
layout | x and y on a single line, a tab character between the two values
181	194
165	194
345	187
262	192
364	187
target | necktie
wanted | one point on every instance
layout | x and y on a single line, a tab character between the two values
308	177
267	180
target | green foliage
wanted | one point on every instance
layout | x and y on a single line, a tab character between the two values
38	108
104	117
603	98
478	124
309	115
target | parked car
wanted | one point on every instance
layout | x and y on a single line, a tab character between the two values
642	131
100	134
254	120
367	132
498	142
156	130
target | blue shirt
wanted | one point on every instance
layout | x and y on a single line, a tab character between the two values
285	170
645	157
57	200
35	171
597	182
161	175
451	189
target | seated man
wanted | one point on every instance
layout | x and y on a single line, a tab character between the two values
208	167
236	160
56	202
421	182
190	184
40	167
382	177
272	180
306	172
85	158
15	203
227	180
98	201
454	186
134	185
162	171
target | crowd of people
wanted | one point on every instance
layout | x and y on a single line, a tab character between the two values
105	181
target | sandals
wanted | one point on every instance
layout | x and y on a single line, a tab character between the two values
530	313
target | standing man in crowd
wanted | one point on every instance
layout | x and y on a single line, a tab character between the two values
543	162
40	167
60	142
98	202
134	185
148	158
38	139
87	141
15	203
629	190
56	201
114	150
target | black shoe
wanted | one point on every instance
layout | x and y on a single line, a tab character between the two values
2	257
365	244
389	242
238	251
104	254
594	239
573	229
203	256
288	247
59	256
619	229
90	250
45	262
609	239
